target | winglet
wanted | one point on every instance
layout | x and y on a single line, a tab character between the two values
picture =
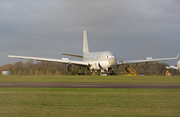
5	53
177	56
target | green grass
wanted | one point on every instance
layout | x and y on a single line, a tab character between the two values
55	102
85	102
91	79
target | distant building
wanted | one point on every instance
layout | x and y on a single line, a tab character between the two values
6	73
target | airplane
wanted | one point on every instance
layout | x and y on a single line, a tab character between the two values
177	67
94	61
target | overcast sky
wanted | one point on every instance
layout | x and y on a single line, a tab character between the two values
131	29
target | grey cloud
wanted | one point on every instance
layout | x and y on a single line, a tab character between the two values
131	29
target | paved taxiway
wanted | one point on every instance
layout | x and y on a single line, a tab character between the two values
88	85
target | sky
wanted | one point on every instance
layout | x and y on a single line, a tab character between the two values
131	29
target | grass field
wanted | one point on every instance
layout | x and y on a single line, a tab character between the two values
55	102
91	79
85	102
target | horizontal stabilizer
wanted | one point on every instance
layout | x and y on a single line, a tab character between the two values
79	56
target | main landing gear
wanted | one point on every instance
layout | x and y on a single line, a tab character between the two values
102	72
80	73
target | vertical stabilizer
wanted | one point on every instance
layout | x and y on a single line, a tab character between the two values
85	43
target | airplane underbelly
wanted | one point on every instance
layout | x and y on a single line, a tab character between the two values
97	65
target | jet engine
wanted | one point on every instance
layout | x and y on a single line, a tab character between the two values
69	67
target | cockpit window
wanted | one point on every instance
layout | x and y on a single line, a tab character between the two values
109	56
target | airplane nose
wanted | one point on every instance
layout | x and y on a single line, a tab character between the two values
112	61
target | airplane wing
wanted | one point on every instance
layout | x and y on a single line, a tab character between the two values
63	60
146	60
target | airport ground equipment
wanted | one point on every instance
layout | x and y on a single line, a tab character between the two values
6	73
129	70
167	73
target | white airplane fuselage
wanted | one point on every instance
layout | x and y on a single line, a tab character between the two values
100	60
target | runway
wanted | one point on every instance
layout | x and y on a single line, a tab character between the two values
88	85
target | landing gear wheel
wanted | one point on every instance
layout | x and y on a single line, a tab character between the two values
80	73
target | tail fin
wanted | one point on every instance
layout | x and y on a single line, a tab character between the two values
85	43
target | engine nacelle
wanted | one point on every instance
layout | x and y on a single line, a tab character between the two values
102	64
69	67
95	66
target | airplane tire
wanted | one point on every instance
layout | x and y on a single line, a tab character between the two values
80	73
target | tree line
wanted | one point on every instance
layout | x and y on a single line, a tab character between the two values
40	68
51	68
